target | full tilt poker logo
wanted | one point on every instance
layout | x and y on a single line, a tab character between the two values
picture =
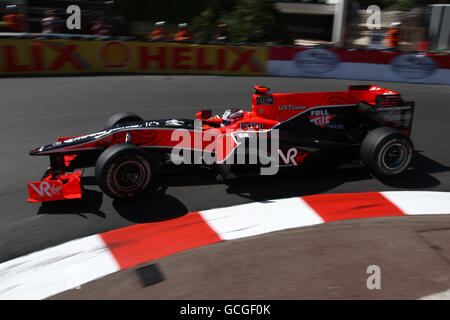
320	117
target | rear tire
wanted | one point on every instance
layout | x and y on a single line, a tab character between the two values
121	118
386	152
123	171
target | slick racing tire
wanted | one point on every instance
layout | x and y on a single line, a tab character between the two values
121	118
386	152
123	171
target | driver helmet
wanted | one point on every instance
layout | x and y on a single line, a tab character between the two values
230	116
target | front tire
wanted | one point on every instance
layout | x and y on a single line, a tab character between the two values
386	152
123	171
121	118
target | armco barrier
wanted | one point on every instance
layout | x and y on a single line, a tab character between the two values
359	65
63	56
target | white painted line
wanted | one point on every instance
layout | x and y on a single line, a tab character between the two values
445	295
45	273
260	217
420	202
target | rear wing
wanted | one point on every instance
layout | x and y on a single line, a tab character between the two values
384	107
390	110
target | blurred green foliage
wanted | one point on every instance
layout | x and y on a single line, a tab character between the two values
250	21
254	21
247	20
204	25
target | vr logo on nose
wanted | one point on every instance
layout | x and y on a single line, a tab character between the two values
43	188
46	189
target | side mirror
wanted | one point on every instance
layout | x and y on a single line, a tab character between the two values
204	114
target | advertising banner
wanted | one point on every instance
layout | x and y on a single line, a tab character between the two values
42	56
63	56
359	65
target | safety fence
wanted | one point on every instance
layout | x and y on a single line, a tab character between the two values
44	56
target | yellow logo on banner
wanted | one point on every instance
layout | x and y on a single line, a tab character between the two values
115	55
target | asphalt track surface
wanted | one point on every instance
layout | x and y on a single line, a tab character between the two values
35	111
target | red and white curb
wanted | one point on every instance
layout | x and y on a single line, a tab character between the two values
48	272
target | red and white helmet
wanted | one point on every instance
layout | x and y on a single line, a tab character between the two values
230	116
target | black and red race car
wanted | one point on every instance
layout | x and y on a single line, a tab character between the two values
366	122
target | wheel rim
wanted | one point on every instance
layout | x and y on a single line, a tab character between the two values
394	155
129	175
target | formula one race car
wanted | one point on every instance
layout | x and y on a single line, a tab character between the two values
366	123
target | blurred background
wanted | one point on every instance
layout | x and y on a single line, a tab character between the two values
406	25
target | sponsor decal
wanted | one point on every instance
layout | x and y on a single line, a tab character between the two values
241	135
43	56
152	123
397	117
45	189
69	56
91	135
335	126
115	55
251	125
290	107
292	157
264	100
320	118
174	122
100	134
226	59
316	61
414	66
